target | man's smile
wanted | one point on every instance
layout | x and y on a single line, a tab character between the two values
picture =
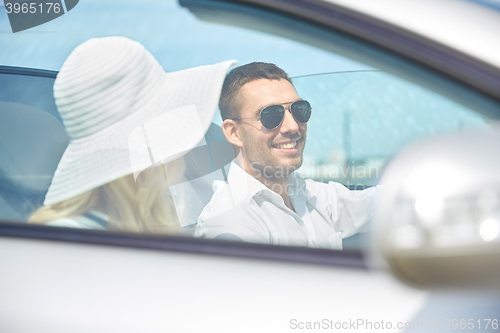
289	145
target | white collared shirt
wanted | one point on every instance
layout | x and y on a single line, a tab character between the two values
324	213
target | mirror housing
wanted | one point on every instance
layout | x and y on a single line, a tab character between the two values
438	223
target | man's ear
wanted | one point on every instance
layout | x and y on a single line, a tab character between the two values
232	133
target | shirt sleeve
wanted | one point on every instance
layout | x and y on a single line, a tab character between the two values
349	210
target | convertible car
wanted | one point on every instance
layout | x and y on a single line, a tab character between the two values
395	85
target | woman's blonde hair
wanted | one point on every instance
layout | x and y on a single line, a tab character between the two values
129	206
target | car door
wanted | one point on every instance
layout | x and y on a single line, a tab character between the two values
368	102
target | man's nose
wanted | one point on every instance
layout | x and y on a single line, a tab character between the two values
289	124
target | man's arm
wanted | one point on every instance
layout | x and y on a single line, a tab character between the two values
349	211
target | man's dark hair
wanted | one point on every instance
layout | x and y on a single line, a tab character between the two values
238	77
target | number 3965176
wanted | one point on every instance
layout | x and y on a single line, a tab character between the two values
471	324
32	8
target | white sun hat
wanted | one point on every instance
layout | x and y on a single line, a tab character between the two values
123	113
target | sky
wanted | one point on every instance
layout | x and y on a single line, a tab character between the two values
171	33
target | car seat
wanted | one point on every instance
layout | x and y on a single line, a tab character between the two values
31	144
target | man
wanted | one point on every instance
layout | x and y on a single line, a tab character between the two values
263	199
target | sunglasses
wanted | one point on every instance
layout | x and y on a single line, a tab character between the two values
272	116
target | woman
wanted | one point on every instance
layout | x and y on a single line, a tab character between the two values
117	205
129	122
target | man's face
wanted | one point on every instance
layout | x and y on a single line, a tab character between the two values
274	153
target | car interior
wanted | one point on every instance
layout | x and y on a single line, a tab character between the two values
33	139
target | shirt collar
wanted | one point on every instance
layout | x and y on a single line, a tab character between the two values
239	180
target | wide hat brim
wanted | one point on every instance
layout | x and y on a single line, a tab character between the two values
172	121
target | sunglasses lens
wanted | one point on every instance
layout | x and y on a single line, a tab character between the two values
272	116
301	111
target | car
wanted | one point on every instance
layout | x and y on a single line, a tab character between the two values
386	79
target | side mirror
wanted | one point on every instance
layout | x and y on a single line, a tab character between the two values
439	214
